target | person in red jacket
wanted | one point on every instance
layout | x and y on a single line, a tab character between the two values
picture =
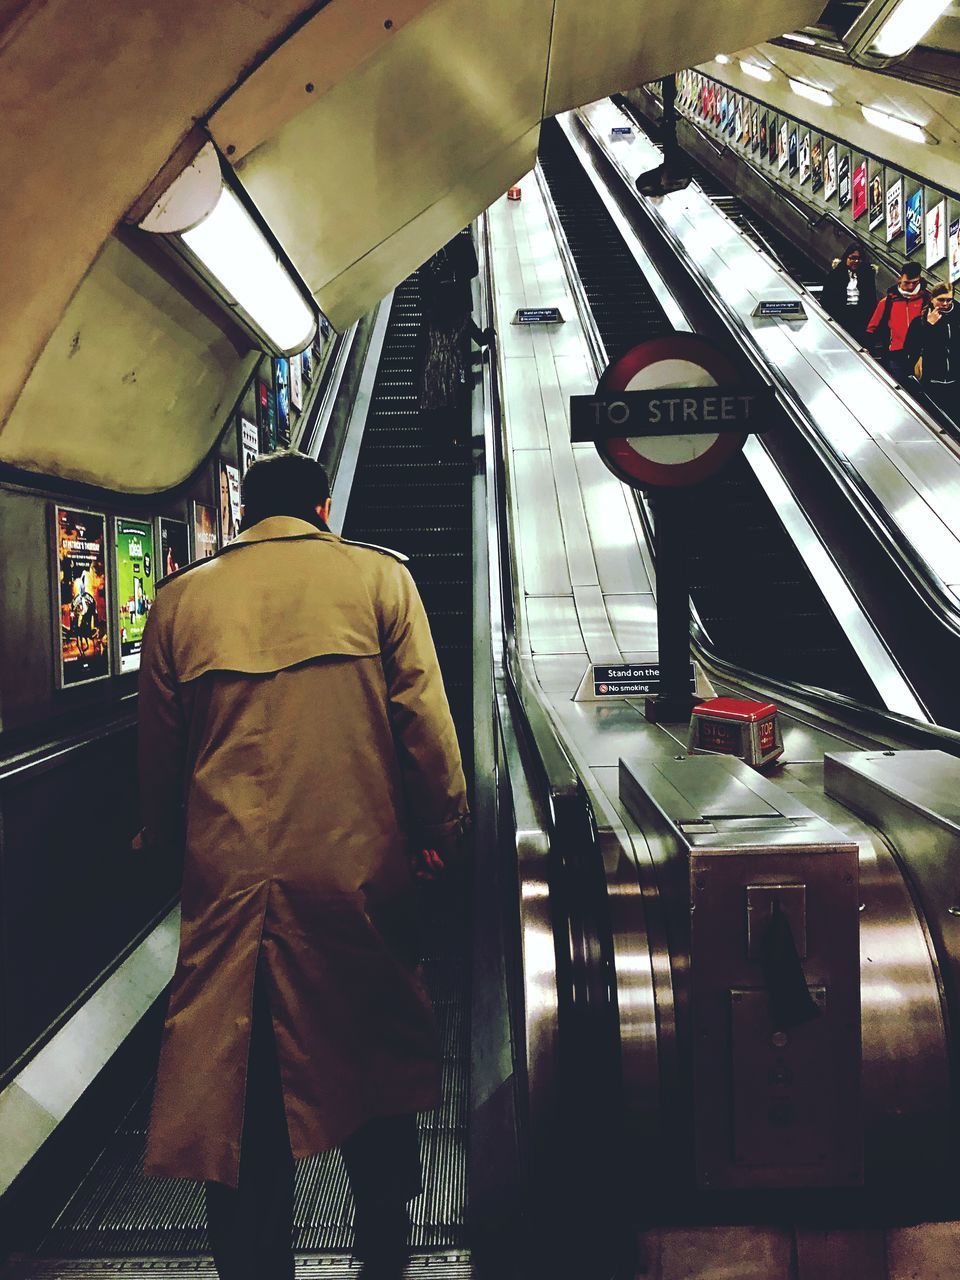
894	314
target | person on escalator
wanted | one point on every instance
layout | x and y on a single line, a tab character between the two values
850	292
894	313
448	326
933	351
300	756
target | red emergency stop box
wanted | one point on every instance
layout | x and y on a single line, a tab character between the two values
514	193
736	727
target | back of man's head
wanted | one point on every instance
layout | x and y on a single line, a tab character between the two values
286	483
912	270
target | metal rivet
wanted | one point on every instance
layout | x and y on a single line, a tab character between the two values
231	149
388	25
309	87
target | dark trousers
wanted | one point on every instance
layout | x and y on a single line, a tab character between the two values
251	1228
946	396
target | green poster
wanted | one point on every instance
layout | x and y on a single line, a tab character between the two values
136	586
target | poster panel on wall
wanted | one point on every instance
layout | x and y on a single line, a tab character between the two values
204	531
859	191
764	141
955	250
773	135
296	382
738	120
936	233
229	503
135	575
782	149
249	442
830	173
81	602
281	382
173	547
755	130
724	107
306	365
843	179
793	152
876	200
736	104
804	157
894	209
267	415
913	221
816	164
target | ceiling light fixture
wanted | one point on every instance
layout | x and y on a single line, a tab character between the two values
810	91
722	57
906	26
896	124
234	250
755	70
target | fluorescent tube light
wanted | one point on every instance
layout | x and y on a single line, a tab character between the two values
722	57
233	249
755	70
804	90
799	38
895	124
907	25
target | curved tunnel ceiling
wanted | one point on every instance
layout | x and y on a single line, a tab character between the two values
368	131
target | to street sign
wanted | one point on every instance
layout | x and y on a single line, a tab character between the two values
670	412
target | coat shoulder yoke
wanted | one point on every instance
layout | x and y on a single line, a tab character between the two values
372	546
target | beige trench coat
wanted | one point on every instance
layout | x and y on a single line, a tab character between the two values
293	717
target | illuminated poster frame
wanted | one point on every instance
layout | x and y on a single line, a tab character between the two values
204	522
174	536
74	671
134	563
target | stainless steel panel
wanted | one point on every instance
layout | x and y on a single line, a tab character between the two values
595	625
525	422
603	732
553	626
634	621
619	564
539	548
560	673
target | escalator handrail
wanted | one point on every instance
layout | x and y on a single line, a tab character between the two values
918	575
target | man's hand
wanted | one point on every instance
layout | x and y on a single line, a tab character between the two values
426	864
139	841
933	316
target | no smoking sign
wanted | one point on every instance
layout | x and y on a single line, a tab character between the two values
670	412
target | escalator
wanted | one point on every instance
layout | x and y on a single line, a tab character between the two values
758	602
405	498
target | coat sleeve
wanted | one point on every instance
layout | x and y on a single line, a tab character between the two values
426	740
877	316
913	344
162	741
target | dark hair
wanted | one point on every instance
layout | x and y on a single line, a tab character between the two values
856	247
285	483
912	270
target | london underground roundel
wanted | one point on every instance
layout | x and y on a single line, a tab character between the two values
677	360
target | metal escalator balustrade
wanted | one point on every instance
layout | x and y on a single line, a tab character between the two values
755	597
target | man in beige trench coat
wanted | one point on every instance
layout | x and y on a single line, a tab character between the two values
295	741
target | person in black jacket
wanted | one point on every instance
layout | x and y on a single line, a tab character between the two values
448	326
933	340
850	292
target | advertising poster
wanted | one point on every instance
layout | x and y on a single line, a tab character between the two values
804	158
296	382
736	104
914	221
718	100
249	442
281	382
306	365
204	531
843	180
738	121
174	549
136	580
764	144
793	153
229	504
816	163
894	209
724	108
830	173
876	201
755	129
955	250
860	191
782	147
83	647
936	233
773	134
267	416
